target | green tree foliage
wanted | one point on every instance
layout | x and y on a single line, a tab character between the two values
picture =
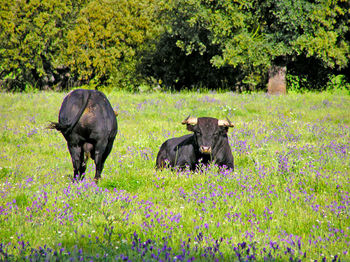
54	44
182	43
104	43
212	44
312	38
32	35
245	38
236	29
187	52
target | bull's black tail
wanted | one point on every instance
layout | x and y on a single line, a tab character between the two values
66	128
57	126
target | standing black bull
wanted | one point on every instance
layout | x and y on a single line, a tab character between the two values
208	143
89	125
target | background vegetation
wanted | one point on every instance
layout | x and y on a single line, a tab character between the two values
175	44
288	198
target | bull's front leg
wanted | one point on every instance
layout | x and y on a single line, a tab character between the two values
224	159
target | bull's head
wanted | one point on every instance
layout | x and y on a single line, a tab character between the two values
209	132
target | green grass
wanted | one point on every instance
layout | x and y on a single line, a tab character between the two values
290	184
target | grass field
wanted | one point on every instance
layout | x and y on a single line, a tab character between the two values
287	199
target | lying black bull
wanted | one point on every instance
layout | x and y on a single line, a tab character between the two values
208	143
89	125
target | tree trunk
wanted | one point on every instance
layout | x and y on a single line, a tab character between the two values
277	80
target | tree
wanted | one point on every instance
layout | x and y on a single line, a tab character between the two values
309	38
237	42
104	43
59	44
186	54
32	36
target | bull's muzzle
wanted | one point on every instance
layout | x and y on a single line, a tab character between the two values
205	149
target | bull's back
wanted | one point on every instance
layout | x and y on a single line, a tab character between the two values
88	112
98	114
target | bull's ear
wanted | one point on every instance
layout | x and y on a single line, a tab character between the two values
224	129
190	127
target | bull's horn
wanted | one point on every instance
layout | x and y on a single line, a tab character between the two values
227	123
190	121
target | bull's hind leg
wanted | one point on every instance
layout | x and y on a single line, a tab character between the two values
83	160
84	157
100	158
77	155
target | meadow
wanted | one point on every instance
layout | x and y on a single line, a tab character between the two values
288	198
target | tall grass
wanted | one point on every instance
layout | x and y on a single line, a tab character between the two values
287	199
